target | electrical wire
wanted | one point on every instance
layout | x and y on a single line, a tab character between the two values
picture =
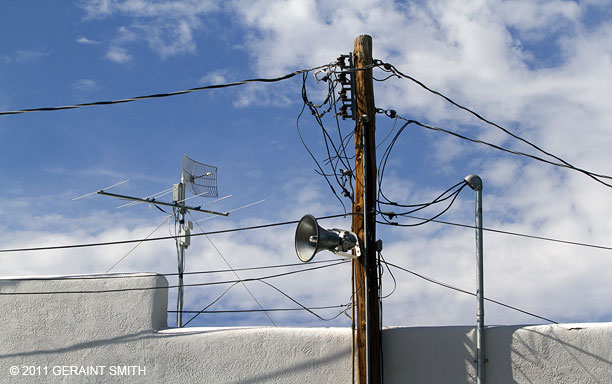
210	305
445	285
336	154
449	194
453	197
267	309
434	220
562	163
494	146
510	233
171	286
381	262
233	271
174	237
136	246
314	109
123	275
168	94
299	304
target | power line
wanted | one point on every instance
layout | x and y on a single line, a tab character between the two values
330	103
295	301
168	94
234	271
434	220
136	246
214	301
86	245
453	196
562	163
142	275
500	148
173	286
266	309
445	285
383	161
510	233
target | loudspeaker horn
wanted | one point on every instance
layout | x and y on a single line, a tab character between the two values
311	239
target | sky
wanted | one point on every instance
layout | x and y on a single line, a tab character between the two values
543	70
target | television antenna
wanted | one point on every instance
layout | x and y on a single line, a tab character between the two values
201	180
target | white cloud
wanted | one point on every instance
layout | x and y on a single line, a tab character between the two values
118	55
24	56
148	8
167	27
215	77
84	85
85	40
470	52
169	38
527	15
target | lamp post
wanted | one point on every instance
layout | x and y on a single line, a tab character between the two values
475	183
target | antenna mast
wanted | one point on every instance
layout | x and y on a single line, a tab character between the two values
184	240
200	179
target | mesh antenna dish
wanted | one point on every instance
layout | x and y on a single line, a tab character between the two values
200	178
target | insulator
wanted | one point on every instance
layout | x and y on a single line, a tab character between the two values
342	112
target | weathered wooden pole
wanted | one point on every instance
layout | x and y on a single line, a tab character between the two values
366	271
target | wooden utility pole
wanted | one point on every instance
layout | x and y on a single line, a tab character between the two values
366	272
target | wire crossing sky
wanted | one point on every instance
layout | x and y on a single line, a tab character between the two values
541	71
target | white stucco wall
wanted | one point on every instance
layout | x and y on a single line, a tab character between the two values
68	338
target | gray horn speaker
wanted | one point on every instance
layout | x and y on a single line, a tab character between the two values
311	239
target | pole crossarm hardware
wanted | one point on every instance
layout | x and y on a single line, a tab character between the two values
153	201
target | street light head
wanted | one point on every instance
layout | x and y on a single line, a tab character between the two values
474	181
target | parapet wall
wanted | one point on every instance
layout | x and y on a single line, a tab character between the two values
110	337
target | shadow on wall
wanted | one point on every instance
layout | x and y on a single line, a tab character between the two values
313	368
549	354
81	348
515	354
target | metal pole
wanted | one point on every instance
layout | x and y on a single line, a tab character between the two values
475	183
179	199
181	269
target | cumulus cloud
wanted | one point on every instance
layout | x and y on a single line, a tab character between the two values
85	40
477	54
167	27
482	54
118	55
215	77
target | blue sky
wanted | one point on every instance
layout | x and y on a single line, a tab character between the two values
541	69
